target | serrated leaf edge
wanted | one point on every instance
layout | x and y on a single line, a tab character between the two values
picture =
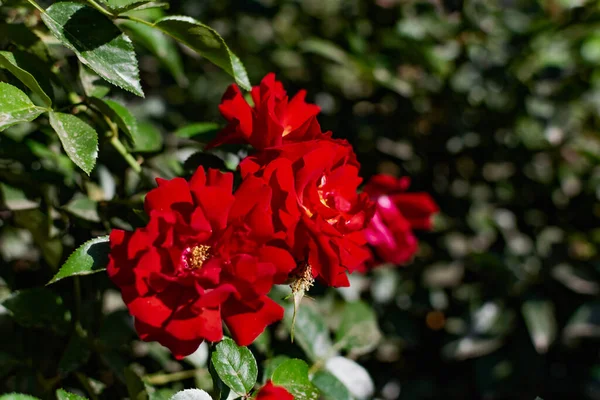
128	42
99	239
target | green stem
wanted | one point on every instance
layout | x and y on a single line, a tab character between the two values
162	379
138	20
37	6
100	8
118	145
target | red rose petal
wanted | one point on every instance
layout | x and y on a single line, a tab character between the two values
248	320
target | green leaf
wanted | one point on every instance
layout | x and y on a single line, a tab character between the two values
358	330
89	258
148	139
15	199
207	42
197	129
160	45
119	114
541	323
84	208
293	376
38	308
271	365
61	394
79	140
221	390
17	396
97	42
92	84
235	365
330	386
16	107
16	67
311	332
352	375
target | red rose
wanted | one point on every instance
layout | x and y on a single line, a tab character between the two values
272	120
397	213
272	392
203	258
316	208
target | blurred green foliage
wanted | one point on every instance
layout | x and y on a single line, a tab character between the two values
492	106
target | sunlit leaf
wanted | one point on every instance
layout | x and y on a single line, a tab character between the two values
15	63
16	107
90	257
96	41
292	374
207	42
79	140
235	365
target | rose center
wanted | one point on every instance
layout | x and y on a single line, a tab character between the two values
194	257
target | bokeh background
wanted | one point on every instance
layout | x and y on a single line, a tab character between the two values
492	107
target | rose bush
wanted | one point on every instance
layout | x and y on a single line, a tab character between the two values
154	238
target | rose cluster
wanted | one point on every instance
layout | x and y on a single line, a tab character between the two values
210	254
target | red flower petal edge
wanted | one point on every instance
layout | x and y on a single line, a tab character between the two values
204	257
274	119
272	392
397	214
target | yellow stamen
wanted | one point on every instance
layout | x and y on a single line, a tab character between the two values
198	255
